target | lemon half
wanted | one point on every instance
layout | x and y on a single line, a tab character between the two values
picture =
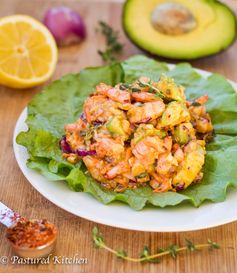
28	52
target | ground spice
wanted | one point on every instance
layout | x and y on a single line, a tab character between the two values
31	233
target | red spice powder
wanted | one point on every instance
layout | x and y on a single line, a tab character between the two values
31	233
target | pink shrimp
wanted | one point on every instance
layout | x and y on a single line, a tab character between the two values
73	136
144	97
147	111
108	147
114	94
148	150
160	183
166	164
99	108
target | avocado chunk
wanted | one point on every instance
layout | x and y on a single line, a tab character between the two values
170	90
175	113
205	27
114	126
184	132
191	165
145	130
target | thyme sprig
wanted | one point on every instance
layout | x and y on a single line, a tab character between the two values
146	256
152	89
113	46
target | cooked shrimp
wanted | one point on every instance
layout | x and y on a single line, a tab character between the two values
160	183
146	112
144	97
202	99
149	149
113	93
166	164
122	167
103	88
74	134
178	153
95	167
108	147
99	108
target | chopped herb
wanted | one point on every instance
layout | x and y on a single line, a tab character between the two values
152	89
82	133
113	46
136	89
125	86
142	175
195	103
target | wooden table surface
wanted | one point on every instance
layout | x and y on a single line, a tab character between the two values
74	232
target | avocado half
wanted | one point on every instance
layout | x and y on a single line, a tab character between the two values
214	29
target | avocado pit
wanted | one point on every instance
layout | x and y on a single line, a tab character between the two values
173	19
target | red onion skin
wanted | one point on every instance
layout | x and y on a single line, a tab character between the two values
64	145
180	187
65	24
85	152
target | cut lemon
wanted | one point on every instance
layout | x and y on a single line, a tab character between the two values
28	52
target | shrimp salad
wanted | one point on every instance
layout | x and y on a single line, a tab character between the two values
140	134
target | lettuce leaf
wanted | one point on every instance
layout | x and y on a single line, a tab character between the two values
61	102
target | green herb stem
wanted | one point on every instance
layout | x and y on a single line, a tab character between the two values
153	88
172	250
113	46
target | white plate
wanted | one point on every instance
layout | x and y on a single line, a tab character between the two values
171	219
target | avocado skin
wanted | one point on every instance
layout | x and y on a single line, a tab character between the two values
177	58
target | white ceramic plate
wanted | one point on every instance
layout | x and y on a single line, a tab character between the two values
172	219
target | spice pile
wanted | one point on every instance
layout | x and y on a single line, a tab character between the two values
31	233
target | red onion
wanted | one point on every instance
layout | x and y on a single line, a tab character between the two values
65	24
180	187
85	152
64	145
83	117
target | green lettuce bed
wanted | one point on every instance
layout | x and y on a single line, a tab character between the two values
61	102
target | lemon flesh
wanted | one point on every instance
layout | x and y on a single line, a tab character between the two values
28	52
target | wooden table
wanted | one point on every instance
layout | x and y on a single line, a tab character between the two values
74	232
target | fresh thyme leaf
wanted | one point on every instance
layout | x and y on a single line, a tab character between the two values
95	232
142	175
141	84
121	253
113	46
97	238
212	245
136	89
173	250
145	252
145	255
152	89
195	103
125	86
190	245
